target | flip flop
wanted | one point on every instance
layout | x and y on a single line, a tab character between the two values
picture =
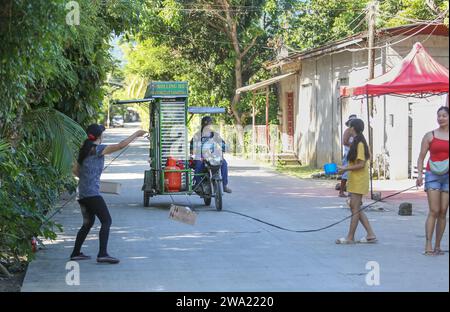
366	240
344	241
429	253
439	252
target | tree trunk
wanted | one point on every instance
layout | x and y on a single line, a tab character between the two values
235	101
230	27
238	84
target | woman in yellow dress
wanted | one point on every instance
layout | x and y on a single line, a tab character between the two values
358	183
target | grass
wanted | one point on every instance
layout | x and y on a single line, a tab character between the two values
301	172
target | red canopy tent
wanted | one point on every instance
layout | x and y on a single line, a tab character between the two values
417	75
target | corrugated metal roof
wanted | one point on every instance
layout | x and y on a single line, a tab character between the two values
263	84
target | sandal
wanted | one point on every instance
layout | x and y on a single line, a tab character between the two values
429	253
344	241
439	252
366	240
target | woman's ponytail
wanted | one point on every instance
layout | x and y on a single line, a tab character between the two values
94	132
85	150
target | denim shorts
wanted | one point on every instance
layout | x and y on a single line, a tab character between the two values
436	182
345	164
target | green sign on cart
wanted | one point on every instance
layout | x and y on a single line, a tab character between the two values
167	89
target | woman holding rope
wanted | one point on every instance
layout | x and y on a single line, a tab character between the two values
436	181
358	183
88	169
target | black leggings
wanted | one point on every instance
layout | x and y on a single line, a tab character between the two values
91	207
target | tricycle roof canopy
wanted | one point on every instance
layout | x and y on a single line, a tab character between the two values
417	74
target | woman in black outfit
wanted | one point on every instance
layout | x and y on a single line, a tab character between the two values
88	169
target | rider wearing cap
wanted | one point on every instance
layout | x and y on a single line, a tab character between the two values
205	142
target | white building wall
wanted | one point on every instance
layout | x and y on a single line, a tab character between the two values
306	118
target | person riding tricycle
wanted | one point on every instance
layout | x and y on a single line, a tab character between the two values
210	168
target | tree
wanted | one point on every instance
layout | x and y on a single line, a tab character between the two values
312	23
51	86
224	41
401	12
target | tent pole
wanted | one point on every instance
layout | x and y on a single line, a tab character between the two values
370	145
267	119
341	141
253	126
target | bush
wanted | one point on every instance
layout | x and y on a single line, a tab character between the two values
29	188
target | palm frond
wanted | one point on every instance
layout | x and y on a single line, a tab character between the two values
57	132
3	146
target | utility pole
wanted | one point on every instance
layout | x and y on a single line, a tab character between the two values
371	58
373	7
372	12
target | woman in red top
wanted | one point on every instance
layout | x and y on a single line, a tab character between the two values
436	185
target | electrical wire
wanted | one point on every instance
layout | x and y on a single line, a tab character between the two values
399	41
262	45
336	35
413	20
381	44
322	228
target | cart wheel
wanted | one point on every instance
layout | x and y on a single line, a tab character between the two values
218	196
207	201
146	199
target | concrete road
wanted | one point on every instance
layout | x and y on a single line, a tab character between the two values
227	252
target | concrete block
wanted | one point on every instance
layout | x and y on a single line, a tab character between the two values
405	209
110	187
376	196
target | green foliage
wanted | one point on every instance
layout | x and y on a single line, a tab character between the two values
29	189
312	23
51	130
190	45
401	12
51	87
315	22
3	147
